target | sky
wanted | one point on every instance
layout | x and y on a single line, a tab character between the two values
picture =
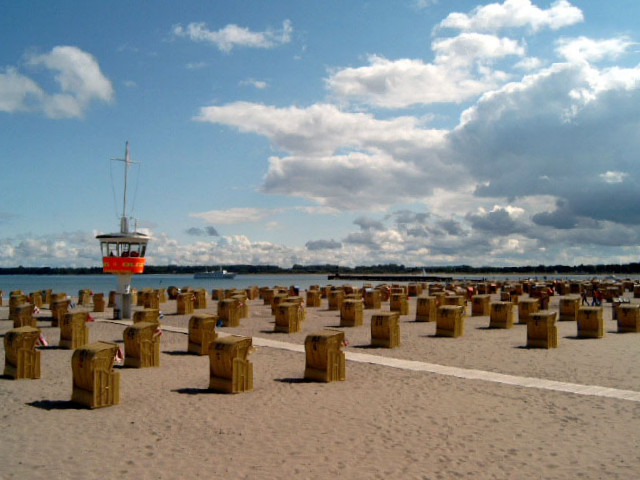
414	132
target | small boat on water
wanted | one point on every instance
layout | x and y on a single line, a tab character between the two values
218	274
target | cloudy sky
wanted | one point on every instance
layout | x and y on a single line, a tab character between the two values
421	132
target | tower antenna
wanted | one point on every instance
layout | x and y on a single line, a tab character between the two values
124	221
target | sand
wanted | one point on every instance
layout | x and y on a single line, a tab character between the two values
382	422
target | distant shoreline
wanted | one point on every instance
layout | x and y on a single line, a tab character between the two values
389	269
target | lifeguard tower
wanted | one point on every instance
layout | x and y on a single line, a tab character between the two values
123	252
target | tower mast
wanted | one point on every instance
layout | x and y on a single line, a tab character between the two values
124	221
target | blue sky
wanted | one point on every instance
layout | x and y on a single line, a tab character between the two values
401	131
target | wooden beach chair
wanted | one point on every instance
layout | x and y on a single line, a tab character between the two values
324	359
230	370
22	360
95	384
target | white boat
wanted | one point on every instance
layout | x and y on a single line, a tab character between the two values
217	274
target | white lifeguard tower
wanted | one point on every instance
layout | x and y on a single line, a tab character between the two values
123	252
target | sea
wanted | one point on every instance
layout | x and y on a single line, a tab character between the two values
104	283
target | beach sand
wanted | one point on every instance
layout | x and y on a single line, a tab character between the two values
382	422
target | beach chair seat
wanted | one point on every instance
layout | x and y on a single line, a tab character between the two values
542	331
385	329
335	298
95	384
288	317
324	359
351	313
314	298
84	297
22	360
142	345
200	299
398	302
568	308
450	321
480	305
501	315
16	300
426	307
98	302
526	308
185	303
243	306
372	299
202	332
23	316
58	310
230	370
150	315
229	311
74	332
590	322
629	318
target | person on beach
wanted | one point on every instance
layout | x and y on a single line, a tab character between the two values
585	301
597	299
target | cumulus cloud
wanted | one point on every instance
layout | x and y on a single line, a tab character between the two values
340	159
498	221
251	82
233	215
232	36
552	134
584	49
74	249
515	14
323	245
613	177
366	223
201	232
80	80
460	71
78	76
196	65
17	92
541	167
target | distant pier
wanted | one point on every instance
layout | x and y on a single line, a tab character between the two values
388	277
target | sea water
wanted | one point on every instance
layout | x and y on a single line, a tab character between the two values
104	283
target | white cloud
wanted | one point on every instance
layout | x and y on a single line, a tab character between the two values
469	47
316	210
421	4
460	71
17	92
517	181
551	133
613	177
259	84
584	49
343	160
196	65
78	75
80	80
234	215
528	64
232	36
321	129
515	14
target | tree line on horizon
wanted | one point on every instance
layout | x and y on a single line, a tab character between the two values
600	269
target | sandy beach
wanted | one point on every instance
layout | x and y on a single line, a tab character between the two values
382	422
